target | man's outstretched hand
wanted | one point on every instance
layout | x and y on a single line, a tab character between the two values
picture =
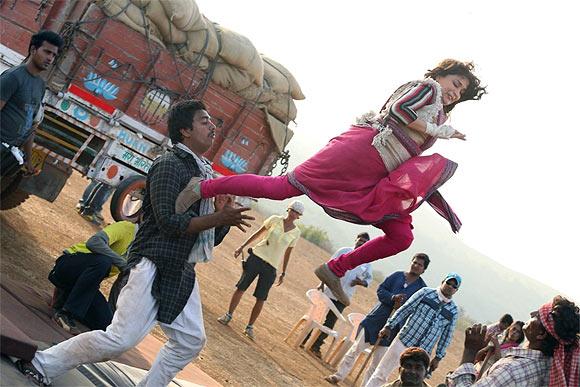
229	215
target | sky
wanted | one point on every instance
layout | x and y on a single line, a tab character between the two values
515	187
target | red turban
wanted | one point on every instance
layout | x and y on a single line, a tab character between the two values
565	368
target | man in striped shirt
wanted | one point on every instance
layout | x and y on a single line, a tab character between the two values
428	318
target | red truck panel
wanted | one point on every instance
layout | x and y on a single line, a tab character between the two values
128	65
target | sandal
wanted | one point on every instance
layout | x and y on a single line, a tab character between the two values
31	373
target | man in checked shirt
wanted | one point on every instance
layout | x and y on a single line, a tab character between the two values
550	357
162	285
427	318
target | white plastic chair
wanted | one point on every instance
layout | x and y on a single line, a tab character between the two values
347	340
312	321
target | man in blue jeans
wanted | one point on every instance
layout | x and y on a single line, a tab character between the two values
94	198
78	273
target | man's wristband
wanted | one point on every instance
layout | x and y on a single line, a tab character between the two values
282	274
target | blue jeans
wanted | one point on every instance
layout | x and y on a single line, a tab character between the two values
94	197
78	276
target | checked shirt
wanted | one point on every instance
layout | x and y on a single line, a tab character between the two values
518	367
161	237
426	320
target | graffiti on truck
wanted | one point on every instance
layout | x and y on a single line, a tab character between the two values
136	160
101	86
132	140
79	113
155	105
234	162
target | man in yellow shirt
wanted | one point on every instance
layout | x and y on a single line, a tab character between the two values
264	260
78	273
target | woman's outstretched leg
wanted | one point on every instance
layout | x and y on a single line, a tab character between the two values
398	237
254	186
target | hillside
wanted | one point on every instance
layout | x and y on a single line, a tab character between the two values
489	288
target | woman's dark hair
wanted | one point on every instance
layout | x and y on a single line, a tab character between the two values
566	324
474	90
180	116
45	36
424	257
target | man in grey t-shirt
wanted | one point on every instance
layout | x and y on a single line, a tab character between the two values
21	93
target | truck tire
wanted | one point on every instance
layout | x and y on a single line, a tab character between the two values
10	195
127	199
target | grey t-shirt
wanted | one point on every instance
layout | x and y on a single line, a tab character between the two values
23	94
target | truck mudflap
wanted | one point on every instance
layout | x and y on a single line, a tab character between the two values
51	179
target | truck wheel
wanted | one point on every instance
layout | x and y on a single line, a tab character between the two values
128	198
10	195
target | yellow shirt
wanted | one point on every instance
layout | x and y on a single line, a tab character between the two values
120	235
272	248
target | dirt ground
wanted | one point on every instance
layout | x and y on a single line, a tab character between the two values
34	234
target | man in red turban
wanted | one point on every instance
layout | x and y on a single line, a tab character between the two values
551	356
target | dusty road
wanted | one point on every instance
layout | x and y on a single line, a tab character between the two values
33	235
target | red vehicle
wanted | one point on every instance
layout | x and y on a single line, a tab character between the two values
106	101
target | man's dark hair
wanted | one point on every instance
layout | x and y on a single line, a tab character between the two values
507	319
566	324
45	36
424	257
415	353
180	116
364	235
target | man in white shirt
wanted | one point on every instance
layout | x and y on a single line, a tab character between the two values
359	276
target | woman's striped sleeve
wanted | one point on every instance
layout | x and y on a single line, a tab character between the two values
405	107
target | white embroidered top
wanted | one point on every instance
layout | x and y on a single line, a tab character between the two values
392	152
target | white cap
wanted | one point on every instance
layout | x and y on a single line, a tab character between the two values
297	206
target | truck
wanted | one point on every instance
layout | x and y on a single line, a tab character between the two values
106	100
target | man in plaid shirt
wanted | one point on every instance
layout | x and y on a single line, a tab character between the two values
550	356
427	318
162	286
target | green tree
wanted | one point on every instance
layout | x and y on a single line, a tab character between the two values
316	235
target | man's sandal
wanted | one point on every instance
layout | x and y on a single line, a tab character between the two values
31	373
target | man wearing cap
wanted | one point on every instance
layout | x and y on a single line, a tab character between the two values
427	318
359	276
264	260
550	357
413	367
391	294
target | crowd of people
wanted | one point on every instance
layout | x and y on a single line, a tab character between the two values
186	212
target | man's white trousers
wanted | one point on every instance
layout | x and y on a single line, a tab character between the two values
134	318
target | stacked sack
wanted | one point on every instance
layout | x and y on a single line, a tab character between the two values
234	62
